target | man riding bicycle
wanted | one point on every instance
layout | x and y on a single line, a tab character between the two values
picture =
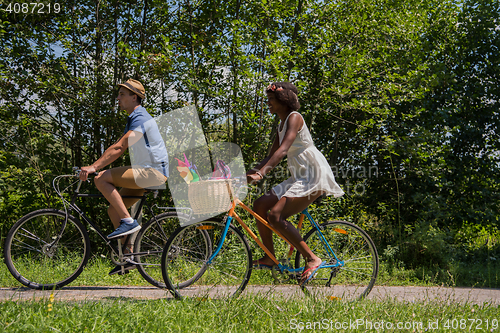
149	164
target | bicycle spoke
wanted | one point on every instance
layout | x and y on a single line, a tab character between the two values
355	249
357	271
31	236
227	274
43	255
150	242
27	247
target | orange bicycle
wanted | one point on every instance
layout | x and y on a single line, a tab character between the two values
349	253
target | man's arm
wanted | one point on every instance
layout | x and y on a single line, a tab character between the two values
111	154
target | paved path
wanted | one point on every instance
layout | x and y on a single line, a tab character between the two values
404	294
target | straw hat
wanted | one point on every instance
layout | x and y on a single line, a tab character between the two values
134	86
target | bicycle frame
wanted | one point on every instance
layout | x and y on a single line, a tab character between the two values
233	215
72	205
93	225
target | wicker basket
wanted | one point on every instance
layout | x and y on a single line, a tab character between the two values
210	196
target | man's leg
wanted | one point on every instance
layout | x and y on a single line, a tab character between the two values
113	215
128	202
106	183
116	222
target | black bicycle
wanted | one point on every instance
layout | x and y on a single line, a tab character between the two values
48	248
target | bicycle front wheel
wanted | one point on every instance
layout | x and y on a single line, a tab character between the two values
43	253
357	265
150	242
185	254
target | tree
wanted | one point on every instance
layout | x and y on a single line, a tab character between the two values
401	97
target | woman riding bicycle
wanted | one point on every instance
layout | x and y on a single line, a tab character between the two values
311	177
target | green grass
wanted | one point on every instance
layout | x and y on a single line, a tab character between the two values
251	313
94	274
479	276
244	314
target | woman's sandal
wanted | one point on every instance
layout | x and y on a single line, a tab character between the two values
315	269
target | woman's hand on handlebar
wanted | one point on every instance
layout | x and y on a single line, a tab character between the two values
86	171
253	178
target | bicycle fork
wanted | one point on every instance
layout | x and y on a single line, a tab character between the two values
335	266
223	238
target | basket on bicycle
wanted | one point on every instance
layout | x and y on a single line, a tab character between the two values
210	196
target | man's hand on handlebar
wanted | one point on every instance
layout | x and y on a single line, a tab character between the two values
86	171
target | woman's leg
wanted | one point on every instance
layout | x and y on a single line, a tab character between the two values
261	206
282	210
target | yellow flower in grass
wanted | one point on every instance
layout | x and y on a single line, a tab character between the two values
51	300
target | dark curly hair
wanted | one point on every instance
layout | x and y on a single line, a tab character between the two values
285	93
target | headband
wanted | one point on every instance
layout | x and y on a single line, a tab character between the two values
274	88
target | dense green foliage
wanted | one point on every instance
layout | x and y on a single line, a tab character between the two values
401	96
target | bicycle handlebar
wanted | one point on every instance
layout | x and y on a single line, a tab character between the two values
77	171
57	179
239	184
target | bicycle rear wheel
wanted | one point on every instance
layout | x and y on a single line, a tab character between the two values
150	242
38	258
185	254
352	280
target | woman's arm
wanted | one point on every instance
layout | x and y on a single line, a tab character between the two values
278	152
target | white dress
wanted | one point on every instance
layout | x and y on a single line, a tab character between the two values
309	168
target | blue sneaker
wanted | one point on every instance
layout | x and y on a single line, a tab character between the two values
125	229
